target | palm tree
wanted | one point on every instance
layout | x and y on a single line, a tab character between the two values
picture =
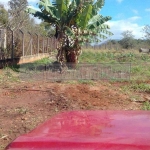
76	22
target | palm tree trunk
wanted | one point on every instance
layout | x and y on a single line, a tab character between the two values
66	53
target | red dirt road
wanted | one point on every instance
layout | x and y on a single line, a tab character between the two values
24	105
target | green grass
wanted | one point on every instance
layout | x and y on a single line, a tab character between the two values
146	106
8	75
140	72
95	56
137	87
140	63
43	61
89	82
137	69
19	67
141	87
11	73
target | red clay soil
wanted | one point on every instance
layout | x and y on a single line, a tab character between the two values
24	105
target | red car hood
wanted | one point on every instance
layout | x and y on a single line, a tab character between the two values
89	130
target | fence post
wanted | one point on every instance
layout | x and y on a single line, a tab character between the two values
47	46
51	44
55	43
110	45
13	44
31	43
3	39
37	43
23	53
43	44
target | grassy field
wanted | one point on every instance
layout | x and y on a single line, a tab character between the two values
140	63
140	68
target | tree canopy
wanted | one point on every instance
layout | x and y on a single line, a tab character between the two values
71	15
128	40
3	16
75	22
17	15
146	31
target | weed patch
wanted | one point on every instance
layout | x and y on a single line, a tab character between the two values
142	87
146	106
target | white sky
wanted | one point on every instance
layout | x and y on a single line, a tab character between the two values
119	26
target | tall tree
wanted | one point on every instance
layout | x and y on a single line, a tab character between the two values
75	22
45	29
17	15
3	16
128	40
146	31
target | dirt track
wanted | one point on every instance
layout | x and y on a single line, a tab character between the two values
24	105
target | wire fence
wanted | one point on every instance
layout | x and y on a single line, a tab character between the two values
86	71
21	44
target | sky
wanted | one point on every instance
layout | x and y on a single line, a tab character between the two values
130	15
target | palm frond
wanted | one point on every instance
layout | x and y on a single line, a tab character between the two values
97	6
97	21
85	16
61	7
